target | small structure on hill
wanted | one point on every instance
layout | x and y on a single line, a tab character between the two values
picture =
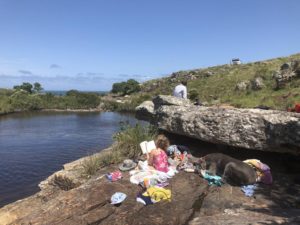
235	61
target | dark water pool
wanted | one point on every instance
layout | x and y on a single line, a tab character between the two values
34	145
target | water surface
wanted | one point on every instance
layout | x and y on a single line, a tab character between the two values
34	145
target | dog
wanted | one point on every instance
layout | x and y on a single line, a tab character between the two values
232	171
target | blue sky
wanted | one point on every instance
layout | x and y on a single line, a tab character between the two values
89	45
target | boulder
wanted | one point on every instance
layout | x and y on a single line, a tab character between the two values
287	72
276	204
267	130
242	86
146	110
257	84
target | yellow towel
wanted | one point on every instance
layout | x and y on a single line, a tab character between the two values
157	194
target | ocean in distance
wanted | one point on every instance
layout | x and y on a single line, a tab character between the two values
62	93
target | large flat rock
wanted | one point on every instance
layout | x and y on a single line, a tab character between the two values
267	130
89	204
193	202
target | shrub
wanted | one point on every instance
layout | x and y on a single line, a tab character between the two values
127	106
129	138
91	164
63	182
193	94
22	100
126	88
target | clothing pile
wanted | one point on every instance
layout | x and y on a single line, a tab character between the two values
153	195
114	176
263	174
179	157
155	177
212	180
262	170
153	181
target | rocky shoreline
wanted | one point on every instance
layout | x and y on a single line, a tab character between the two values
193	202
68	197
57	110
72	110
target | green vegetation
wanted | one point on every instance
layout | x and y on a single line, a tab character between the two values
126	145
126	88
212	85
126	105
63	182
28	97
28	87
217	85
129	138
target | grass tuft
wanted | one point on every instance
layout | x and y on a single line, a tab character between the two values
127	145
63	182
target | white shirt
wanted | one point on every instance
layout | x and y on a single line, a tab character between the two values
180	91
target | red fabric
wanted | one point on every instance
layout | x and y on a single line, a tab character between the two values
160	161
297	108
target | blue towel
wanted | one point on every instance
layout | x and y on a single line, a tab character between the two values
213	180
249	189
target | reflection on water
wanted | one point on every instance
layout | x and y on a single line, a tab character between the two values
34	145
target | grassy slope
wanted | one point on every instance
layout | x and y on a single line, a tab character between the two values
220	87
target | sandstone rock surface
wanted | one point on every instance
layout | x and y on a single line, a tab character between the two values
89	204
267	130
193	202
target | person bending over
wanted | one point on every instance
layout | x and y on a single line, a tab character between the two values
180	90
158	157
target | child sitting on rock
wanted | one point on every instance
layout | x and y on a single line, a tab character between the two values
158	157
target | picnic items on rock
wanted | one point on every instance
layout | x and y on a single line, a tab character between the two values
127	164
147	146
114	176
117	198
212	180
262	170
249	189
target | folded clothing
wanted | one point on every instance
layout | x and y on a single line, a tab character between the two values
249	189
158	193
263	171
114	176
146	200
212	180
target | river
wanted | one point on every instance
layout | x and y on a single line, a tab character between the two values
34	145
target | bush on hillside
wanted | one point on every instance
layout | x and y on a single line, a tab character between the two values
126	88
22	100
76	99
193	94
126	106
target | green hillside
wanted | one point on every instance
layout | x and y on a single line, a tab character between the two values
244	86
218	84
